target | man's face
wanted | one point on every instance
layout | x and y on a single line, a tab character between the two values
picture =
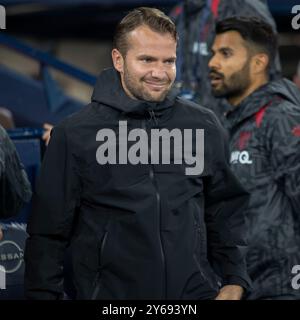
229	66
148	70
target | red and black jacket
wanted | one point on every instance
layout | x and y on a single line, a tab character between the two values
264	135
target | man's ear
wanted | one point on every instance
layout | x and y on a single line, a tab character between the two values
118	60
260	63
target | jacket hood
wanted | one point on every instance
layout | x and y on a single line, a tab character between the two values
109	91
266	94
286	89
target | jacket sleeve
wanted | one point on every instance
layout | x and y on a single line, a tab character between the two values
284	144
15	189
51	221
225	202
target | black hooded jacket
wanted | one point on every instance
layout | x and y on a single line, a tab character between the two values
265	155
143	231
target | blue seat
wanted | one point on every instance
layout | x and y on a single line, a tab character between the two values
26	98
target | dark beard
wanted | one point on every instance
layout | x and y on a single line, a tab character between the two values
236	85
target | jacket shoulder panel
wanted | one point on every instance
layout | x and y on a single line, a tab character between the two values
203	114
281	112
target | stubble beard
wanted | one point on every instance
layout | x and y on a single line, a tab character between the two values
141	93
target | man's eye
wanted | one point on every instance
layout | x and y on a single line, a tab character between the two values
170	62
146	60
227	54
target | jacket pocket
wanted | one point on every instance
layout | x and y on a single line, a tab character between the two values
97	280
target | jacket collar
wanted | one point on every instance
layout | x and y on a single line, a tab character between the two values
109	91
260	98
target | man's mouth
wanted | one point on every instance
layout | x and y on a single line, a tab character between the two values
215	78
157	86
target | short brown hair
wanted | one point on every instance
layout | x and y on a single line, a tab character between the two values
151	17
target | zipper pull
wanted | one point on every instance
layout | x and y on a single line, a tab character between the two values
152	116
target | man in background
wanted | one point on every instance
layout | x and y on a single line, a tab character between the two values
263	123
196	21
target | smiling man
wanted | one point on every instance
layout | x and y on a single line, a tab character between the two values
138	229
264	129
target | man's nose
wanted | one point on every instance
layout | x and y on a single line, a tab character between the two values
158	71
214	63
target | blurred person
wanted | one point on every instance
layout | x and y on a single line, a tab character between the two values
264	132
15	189
137	230
6	119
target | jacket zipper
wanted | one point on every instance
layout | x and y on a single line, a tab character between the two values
158	201
98	275
199	231
198	242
